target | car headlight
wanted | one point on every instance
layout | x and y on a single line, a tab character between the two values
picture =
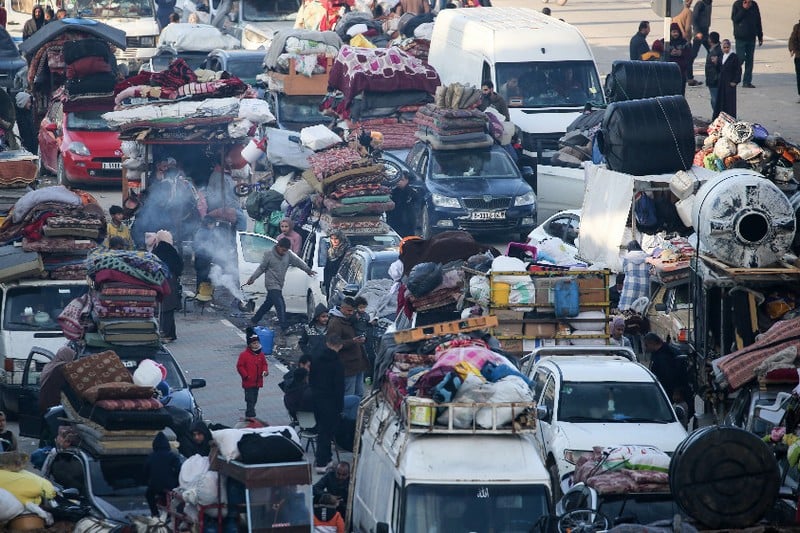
526	199
572	456
79	148
147	41
444	201
254	37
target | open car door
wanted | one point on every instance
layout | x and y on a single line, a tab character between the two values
30	419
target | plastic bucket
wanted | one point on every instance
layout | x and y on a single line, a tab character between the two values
500	293
253	150
267	338
420	411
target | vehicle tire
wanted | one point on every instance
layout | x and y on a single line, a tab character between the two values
552	469
427	233
61	173
310	306
41	170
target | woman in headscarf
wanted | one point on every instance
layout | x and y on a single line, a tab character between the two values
333	258
51	381
287	230
679	51
160	244
618	337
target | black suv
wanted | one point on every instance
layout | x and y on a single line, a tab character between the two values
360	265
30	421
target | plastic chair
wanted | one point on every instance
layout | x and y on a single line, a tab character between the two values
306	424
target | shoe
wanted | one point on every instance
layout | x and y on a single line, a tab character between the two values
694	83
749	86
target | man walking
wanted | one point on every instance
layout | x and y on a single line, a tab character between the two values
351	355
274	265
794	51
638	45
701	20
746	29
713	66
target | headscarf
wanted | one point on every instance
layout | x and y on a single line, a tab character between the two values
618	321
151	239
335	253
64	355
291	224
396	273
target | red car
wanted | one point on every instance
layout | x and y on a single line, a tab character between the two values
79	147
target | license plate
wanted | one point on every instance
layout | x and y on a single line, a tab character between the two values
112	166
487	215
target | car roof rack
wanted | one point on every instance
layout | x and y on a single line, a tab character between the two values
581	351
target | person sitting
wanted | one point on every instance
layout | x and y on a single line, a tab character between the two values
297	395
201	438
335	482
327	518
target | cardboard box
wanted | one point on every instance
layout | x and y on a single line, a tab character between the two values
507	315
514	346
507	329
544	289
592	290
540	330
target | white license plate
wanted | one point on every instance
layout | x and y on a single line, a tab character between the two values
487	215
112	166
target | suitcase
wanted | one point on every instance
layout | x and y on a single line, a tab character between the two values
16	263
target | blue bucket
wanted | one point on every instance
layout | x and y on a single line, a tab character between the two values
267	338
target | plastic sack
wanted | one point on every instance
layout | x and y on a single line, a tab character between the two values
510	389
283	148
239	129
522	293
255	110
472	390
479	289
465	368
748	150
318	137
682	184
149	373
424	278
192	469
738	132
297	191
10	506
590	320
724	148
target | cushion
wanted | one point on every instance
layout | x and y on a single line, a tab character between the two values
103	367
117	390
137	404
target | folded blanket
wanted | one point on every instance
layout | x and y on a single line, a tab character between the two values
58	245
143	266
336	208
335	160
366	189
375	198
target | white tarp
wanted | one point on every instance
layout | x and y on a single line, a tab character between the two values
606	205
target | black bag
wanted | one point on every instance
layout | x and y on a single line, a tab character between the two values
633	80
423	278
650	136
274	448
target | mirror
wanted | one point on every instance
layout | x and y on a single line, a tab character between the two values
527	171
543	413
382	527
351	289
197	383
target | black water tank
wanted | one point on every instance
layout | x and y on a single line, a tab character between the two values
634	80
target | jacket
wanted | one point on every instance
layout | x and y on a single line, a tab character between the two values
685	56
496	101
122	231
712	69
684	20
203	448
638	46
327	382
701	18
312	338
32	25
351	355
327	520
330	484
274	268
172	258
251	367
163	465
794	40
746	22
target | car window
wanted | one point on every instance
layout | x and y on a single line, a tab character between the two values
471	164
682	297
357	272
422	165
539	379
254	246
308	250
379	270
34	369
32	308
564	227
387	240
87	121
613	401
413	157
740	404
549	396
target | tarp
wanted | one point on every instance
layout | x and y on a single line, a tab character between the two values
606	205
55	28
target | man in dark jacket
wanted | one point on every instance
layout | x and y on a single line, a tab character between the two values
351	355
34	23
201	438
678	51
161	469
746	19
701	21
403	218
638	45
666	366
489	98
327	389
713	66
335	482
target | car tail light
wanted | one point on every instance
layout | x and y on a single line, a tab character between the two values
8	365
683	335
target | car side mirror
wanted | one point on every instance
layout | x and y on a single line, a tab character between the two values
661	308
197	383
381	527
527	171
52	127
351	289
543	413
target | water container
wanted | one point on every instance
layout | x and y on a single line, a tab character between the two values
500	293
566	298
267	338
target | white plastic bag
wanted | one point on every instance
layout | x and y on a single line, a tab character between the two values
472	390
508	389
318	137
192	469
255	110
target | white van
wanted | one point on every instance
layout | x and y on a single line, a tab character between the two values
439	479
257	21
541	66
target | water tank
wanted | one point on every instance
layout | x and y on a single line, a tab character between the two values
744	219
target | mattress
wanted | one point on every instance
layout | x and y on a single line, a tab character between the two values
114	420
16	263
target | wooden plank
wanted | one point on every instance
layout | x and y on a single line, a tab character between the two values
785	268
445	328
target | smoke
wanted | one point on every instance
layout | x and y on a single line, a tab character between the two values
224	278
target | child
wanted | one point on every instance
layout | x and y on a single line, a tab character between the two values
161	469
326	518
252	367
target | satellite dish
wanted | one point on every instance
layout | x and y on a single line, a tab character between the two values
666	8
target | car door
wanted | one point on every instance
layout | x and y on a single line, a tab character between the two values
30	419
342	279
545	433
49	134
250	249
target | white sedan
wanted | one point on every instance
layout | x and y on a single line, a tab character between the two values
564	225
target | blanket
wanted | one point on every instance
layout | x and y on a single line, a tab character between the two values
141	265
329	162
279	43
58	245
337	208
381	70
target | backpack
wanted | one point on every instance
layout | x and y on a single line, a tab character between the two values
261	203
646	214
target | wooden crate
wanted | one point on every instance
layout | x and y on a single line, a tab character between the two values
295	84
445	328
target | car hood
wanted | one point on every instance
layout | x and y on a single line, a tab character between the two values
665	437
461	187
98	142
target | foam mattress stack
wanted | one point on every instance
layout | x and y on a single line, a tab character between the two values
66	240
452	129
89	69
351	185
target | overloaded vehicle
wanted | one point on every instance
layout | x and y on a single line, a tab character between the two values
360	266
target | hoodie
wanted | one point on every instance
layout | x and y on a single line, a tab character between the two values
351	354
312	338
203	448
34	23
162	466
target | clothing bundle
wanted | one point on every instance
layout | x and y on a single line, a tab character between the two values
624	469
89	68
453	128
304	52
59	225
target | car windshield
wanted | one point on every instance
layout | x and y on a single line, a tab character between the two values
379	270
37	308
549	84
639	508
87	121
302	109
473	164
263	10
463	508
114	8
613	402
246	68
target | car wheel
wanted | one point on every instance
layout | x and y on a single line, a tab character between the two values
40	168
426	223
61	174
555	481
310	306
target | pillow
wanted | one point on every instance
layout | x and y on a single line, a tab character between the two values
117	391
104	367
140	404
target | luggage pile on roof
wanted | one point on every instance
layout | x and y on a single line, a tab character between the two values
49	233
298	61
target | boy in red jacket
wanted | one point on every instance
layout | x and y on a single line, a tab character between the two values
252	366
